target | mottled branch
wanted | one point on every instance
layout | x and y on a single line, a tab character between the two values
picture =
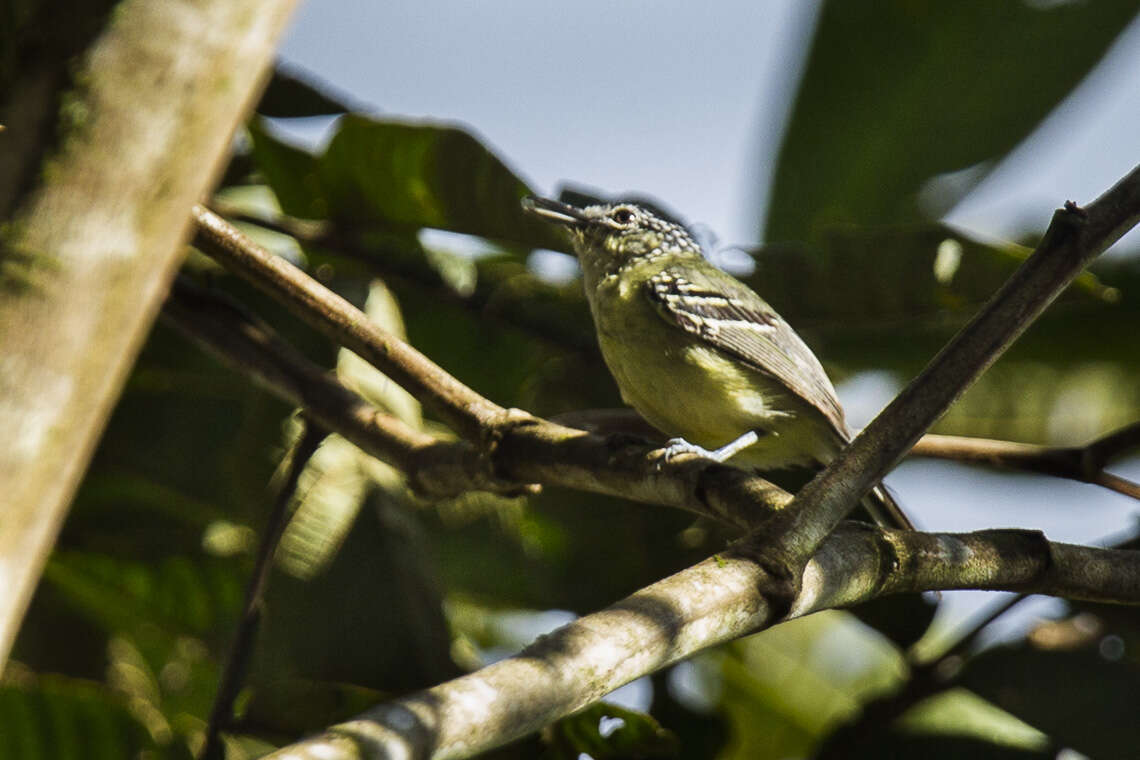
93	230
717	600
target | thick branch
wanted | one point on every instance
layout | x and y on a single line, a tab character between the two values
720	599
1074	238
89	252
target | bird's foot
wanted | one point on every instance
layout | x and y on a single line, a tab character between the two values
675	447
678	446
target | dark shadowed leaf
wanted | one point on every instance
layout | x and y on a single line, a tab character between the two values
937	747
874	276
372	617
178	595
64	719
608	732
291	94
402	175
1079	698
902	618
290	171
897	92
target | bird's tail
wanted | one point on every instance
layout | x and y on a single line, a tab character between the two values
884	510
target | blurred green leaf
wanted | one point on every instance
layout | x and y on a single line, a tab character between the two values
402	176
608	732
371	617
787	687
897	92
292	95
939	747
408	175
177	595
1078	698
902	618
288	706
867	277
956	719
290	171
63	719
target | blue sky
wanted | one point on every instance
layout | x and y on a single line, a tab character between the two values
679	100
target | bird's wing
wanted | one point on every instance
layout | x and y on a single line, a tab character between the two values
727	315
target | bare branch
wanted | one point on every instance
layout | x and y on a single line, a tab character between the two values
241	648
1085	463
722	598
1075	237
467	411
434	468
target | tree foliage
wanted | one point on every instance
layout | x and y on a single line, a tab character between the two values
376	592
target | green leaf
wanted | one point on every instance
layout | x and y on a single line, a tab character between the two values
608	732
940	747
868	277
176	595
404	175
401	176
897	92
1080	699
787	687
293	95
64	719
290	171
371	617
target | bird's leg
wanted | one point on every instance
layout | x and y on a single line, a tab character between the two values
679	446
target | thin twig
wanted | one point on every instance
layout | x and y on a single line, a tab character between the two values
241	648
434	468
461	407
1074	238
504	289
1085	463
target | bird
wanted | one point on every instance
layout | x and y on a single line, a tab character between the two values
699	354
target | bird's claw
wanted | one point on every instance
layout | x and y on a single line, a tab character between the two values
675	447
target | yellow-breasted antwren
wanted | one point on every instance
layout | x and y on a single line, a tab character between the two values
697	353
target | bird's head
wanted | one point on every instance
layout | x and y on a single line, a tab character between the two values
609	236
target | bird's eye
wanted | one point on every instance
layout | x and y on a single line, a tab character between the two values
622	215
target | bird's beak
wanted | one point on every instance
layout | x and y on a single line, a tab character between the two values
554	211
